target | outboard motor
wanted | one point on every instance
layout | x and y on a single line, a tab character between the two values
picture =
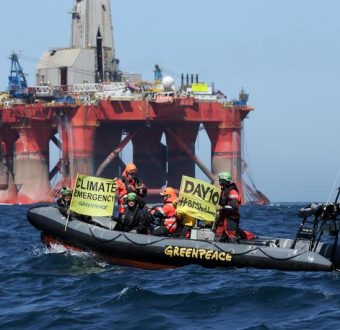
321	219
309	210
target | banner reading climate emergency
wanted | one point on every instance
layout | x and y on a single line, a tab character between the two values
93	196
198	198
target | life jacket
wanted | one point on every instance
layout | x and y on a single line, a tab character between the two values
229	194
229	217
230	197
169	213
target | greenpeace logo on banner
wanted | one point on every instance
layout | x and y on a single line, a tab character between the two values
93	196
86	204
198	199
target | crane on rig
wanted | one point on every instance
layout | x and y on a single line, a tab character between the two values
17	83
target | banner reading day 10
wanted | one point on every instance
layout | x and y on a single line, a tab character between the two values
93	196
198	198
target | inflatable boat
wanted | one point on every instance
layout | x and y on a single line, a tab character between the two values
306	252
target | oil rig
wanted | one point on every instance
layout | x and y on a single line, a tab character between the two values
90	110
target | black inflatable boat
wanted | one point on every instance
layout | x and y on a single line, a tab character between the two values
305	252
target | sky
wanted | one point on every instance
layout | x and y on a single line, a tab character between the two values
284	53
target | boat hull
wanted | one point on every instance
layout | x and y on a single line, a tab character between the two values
152	252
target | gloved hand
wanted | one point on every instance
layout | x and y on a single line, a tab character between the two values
142	190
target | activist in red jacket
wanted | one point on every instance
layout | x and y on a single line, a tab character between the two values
166	214
127	184
228	219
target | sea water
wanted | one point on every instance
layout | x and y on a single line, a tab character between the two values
54	288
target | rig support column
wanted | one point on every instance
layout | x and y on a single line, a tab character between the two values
64	128
81	151
8	191
149	154
107	139
32	156
81	146
179	162
3	167
225	140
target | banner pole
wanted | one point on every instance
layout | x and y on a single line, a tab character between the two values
68	217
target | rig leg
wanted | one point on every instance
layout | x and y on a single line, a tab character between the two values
32	156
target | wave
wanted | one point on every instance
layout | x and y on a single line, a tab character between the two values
60	289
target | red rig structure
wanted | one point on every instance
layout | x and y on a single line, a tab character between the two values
91	137
91	110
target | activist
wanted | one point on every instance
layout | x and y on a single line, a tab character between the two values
127	184
228	219
134	217
186	220
63	203
196	205
166	214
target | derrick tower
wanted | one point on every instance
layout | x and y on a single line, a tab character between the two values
91	55
92	28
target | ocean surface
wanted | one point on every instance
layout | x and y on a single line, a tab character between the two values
58	289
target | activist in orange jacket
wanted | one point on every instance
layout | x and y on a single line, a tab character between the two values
228	219
127	184
166	214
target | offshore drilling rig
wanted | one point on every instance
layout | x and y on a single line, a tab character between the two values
91	110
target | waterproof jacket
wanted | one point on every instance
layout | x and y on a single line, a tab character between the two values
230	201
229	216
133	218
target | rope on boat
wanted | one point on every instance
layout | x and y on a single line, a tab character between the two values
257	248
230	252
288	258
122	234
144	244
101	239
216	246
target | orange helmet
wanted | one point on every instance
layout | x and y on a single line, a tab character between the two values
130	168
170	193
